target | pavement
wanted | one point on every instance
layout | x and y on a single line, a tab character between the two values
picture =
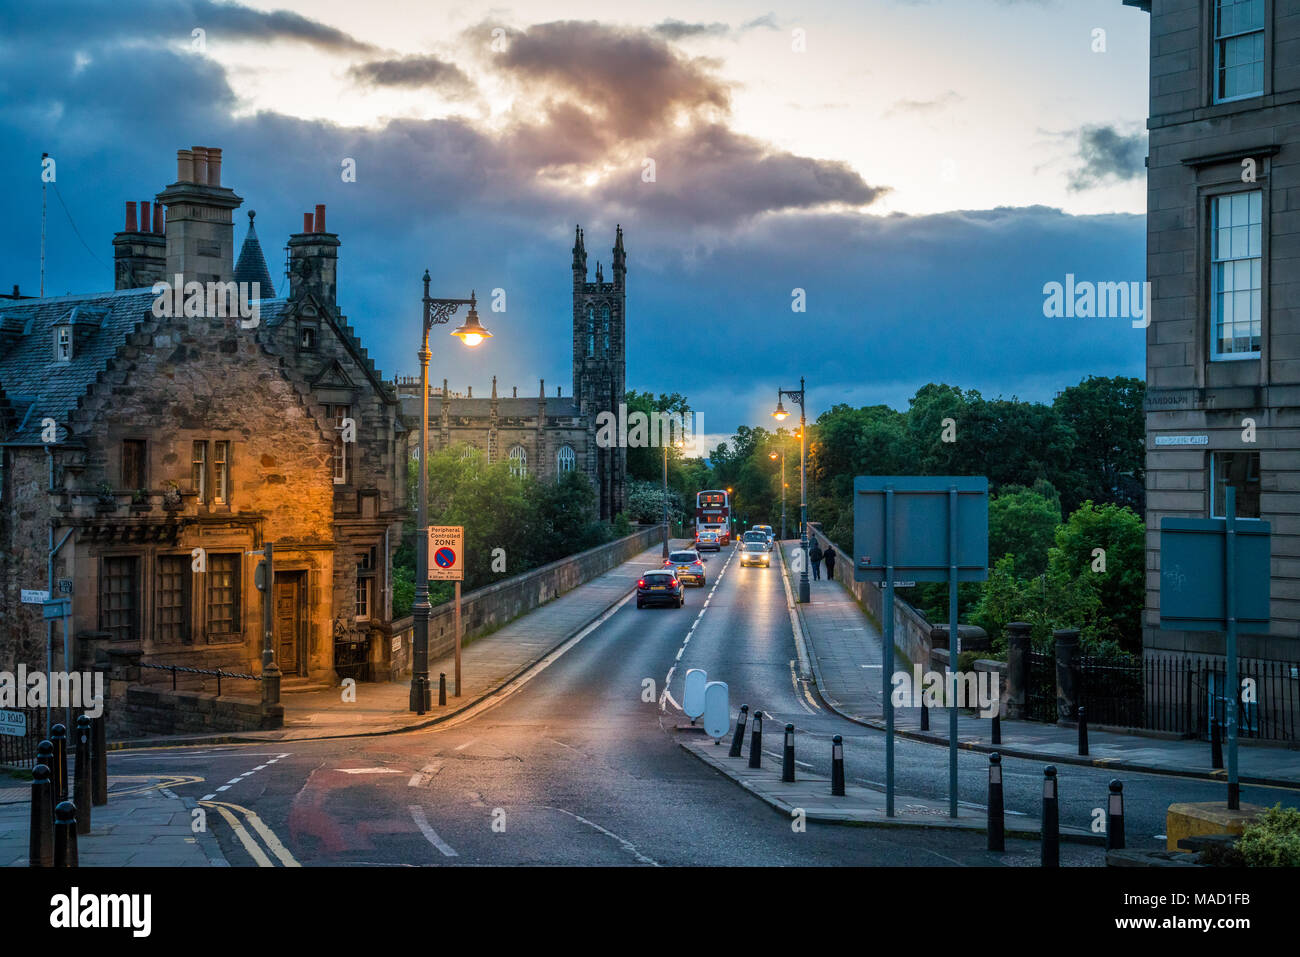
487	665
144	823
844	650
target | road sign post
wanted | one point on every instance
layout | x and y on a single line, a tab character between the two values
925	528
1214	576
447	563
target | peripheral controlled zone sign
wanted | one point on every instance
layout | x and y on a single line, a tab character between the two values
446	553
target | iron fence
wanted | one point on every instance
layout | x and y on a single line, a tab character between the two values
211	672
1040	695
19	751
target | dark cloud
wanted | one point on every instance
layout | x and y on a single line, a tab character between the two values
91	23
680	30
414	72
1108	155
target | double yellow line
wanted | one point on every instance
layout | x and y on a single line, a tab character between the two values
273	844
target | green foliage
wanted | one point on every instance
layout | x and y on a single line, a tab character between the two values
645	502
1272	839
1121	587
1022	523
1107	460
622	527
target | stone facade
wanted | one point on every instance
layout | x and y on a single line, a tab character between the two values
155	453
1223	259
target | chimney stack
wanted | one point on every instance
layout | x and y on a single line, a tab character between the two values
130	226
320	217
159	220
199	231
184	166
200	154
314	259
214	165
146	216
139	256
307	223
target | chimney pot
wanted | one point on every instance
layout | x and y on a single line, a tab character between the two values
130	217
159	220
306	223
146	216
200	164
557	391
214	166
15	290
320	217
184	166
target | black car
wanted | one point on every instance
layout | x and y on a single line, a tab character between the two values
660	588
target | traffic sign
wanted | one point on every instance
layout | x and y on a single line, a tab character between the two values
446	553
32	596
13	724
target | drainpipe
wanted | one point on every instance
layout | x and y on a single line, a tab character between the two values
49	623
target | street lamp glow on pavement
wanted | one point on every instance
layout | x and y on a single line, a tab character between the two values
780	414
436	312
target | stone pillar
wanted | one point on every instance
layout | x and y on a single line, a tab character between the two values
1018	648
1067	674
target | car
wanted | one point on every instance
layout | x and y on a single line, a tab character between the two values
754	553
754	535
706	539
688	565
660	587
771	535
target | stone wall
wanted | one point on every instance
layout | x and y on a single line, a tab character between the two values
486	609
155	712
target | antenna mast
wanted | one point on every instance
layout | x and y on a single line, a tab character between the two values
44	156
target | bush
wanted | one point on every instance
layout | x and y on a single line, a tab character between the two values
1272	839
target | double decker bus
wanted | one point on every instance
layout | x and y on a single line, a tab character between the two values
713	513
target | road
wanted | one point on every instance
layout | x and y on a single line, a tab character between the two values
579	766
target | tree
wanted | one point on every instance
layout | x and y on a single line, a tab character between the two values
1107	462
1105	546
1022	523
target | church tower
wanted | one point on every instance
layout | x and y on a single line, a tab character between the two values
600	363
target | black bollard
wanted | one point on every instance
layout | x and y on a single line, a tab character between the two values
81	782
45	756
65	834
997	824
1083	732
837	766
99	762
40	846
1051	852
1115	817
442	688
1216	745
738	742
59	738
997	728
787	759
756	741
925	715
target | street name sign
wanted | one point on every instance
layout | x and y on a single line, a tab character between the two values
32	596
13	724
446	553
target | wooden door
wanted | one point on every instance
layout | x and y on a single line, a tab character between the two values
286	623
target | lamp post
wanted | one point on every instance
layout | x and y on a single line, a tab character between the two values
780	415
732	517
436	312
773	456
679	444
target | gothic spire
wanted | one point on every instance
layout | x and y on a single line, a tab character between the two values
251	267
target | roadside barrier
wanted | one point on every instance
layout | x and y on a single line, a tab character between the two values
738	742
997	728
1115	817
1051	847
40	845
442	688
787	758
996	824
756	741
837	766
65	835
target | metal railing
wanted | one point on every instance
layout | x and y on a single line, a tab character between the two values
217	672
19	751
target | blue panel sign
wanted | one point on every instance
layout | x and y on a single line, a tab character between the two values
1192	574
920	529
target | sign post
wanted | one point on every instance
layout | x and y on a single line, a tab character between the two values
447	563
1214	576
924	528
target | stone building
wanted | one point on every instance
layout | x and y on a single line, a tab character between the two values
547	435
1223	259
143	457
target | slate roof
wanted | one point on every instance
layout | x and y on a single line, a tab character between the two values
251	266
33	384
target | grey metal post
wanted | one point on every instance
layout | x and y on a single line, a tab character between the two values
81	789
783	495
665	445
270	669
954	650
887	651
1232	692
805	590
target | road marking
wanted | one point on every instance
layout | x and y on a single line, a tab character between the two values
422	777
778	757
800	694
627	845
255	852
666	697
370	770
462	747
272	842
430	835
670	698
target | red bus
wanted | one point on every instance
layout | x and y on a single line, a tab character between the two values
713	513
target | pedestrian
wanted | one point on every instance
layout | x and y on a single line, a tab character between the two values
830	562
815	557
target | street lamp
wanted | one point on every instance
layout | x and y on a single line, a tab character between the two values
780	415
436	312
773	457
731	516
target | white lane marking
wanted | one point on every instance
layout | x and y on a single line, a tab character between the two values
224	787
665	697
370	770
779	758
208	797
462	747
670	698
627	845
422	777
234	780
430	835
871	666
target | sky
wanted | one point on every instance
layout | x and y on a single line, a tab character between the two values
911	172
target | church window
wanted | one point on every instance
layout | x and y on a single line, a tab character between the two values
604	324
565	460
518	461
591	331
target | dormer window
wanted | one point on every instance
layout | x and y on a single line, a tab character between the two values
63	343
307	339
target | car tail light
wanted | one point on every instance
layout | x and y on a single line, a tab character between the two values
640	583
675	582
